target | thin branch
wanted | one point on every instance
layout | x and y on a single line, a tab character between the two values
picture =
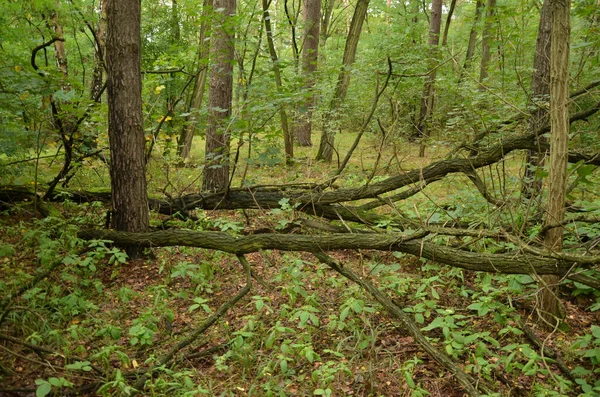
469	383
202	328
42	46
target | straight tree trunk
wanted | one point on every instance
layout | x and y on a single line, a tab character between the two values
188	131
125	126
326	145
540	97
486	54
447	25
220	94
310	56
428	98
549	304
473	34
287	136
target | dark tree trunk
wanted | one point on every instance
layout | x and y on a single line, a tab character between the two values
448	20
99	49
427	100
473	34
326	145
310	56
540	97
486	55
220	94
125	127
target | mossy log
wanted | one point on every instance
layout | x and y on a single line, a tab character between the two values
512	263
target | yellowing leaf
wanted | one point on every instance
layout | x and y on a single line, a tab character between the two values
158	89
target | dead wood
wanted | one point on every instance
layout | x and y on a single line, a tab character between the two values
511	263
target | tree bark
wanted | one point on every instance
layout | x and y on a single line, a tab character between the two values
187	132
428	97
486	55
216	167
549	304
326	145
310	56
99	50
473	34
329	5
125	123
447	25
540	97
513	263
287	136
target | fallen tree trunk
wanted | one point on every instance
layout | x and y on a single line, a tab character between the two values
415	244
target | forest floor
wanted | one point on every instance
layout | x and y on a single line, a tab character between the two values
302	330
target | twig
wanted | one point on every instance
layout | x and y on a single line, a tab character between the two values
469	383
42	349
203	327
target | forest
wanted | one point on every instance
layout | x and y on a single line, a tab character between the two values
300	198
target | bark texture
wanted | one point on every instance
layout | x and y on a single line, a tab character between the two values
486	54
187	133
310	56
549	304
99	50
473	34
326	146
125	127
216	168
412	244
287	135
540	97
428	97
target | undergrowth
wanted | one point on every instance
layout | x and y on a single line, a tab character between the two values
304	329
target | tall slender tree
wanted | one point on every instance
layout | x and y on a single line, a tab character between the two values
220	94
187	133
125	127
486	53
310	56
326	145
287	135
549	304
99	50
428	97
540	97
473	34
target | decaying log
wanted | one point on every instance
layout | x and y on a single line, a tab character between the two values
414	244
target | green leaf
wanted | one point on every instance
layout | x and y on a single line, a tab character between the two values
43	389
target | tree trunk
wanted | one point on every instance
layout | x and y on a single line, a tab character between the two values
427	100
473	34
125	126
99	49
310	56
187	132
326	145
540	97
329	5
216	167
549	304
447	25
486	55
287	136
